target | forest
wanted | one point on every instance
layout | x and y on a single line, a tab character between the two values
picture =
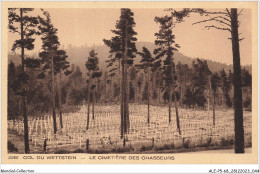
130	74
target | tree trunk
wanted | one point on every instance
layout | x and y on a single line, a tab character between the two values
175	100
239	129
126	107
210	91
93	100
119	72
223	97
88	102
111	89
139	94
122	98
153	87
148	97
135	90
185	82
105	88
53	94
214	103
208	100
126	100
60	105
26	136
181	90
170	99
177	113
159	95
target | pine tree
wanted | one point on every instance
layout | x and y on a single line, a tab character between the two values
49	55
180	75
139	85
226	86
246	80
189	98
147	62
165	40
123	45
93	73
132	84
75	88
23	24
12	108
158	81
112	68
200	81
61	65
183	73
215	83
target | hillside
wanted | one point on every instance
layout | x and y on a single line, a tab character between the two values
78	56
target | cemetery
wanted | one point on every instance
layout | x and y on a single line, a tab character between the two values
118	93
197	130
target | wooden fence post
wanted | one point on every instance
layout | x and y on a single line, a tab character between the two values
87	145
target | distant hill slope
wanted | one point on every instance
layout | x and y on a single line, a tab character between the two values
78	56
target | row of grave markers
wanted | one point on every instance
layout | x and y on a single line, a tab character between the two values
105	129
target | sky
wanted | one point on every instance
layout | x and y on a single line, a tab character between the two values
79	27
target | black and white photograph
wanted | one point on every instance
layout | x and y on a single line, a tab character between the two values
129	81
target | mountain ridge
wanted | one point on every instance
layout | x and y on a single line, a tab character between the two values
78	56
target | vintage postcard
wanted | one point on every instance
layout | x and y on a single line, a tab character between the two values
129	82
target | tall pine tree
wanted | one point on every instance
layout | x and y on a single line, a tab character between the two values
165	40
61	66
23	24
50	55
147	62
123	44
93	73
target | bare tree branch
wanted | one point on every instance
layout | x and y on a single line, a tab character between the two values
223	18
26	27
240	12
207	12
222	22
180	15
238	23
212	19
219	28
228	13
